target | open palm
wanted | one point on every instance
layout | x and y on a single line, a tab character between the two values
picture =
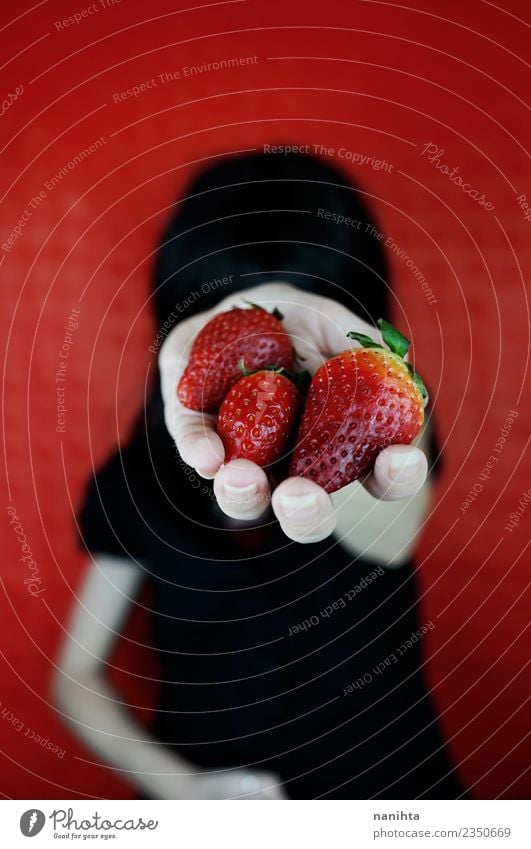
318	328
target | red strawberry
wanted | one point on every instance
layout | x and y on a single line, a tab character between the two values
252	335
257	418
359	402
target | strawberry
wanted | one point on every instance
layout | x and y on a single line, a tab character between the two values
253	335
258	416
359	402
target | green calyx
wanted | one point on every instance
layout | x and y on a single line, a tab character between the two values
301	379
397	344
395	341
276	312
417	380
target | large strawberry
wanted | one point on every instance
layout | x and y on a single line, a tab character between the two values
359	402
258	416
252	335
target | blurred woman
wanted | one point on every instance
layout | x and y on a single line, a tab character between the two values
277	617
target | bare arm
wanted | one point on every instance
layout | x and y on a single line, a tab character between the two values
92	708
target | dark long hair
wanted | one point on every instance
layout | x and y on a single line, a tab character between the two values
267	216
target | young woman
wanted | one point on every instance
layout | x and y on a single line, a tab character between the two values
286	623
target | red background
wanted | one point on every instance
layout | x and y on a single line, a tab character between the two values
388	80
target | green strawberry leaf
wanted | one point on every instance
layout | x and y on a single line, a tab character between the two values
365	341
396	342
254	306
276	312
418	380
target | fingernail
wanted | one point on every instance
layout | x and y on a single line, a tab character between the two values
299	508
240	494
404	467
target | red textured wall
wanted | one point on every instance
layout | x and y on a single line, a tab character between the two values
375	78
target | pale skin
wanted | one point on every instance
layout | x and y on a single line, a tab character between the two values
80	690
318	328
98	716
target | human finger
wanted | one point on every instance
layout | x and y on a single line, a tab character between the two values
304	510
242	489
399	472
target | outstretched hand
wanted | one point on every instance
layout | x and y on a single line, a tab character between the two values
318	328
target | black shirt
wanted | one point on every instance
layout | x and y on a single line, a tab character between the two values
276	655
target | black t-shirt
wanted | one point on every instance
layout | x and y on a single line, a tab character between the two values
274	654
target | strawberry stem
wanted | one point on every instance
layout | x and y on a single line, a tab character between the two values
300	379
244	371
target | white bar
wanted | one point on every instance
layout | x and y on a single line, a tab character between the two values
274	825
